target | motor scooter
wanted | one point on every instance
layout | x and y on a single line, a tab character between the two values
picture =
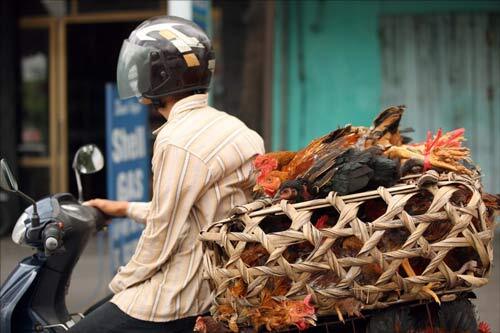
32	298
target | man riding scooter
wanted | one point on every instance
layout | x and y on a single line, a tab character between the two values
201	168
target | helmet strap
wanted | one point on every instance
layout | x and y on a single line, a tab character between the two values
157	103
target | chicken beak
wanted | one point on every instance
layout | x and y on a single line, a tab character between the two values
257	188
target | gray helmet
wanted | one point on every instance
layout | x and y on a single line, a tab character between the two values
164	55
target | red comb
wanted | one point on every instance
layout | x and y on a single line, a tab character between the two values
321	222
483	327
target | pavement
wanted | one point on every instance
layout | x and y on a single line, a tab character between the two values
92	274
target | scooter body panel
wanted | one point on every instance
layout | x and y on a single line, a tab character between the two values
15	290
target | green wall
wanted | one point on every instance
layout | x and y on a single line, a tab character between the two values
327	66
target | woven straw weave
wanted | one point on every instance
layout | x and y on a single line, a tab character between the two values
470	228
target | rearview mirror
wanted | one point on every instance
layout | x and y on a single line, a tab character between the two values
7	180
88	159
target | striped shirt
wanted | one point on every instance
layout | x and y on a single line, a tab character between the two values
201	169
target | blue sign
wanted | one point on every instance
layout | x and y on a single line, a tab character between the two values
128	168
201	14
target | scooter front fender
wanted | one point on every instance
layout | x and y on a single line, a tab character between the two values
14	288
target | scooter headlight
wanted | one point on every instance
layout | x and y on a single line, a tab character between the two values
20	230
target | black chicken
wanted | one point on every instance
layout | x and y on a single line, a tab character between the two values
352	171
295	190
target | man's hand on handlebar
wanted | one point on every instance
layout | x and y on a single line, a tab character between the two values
109	207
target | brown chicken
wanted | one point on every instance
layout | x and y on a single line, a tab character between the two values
254	255
385	129
492	203
275	315
350	247
207	324
272	161
270	181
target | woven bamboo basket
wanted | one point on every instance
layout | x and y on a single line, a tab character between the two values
459	260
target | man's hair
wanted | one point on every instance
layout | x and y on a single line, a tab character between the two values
177	97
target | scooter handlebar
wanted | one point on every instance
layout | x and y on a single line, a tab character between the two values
100	218
52	237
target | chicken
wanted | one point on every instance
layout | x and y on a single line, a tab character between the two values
372	209
442	151
238	288
323	280
339	139
352	171
275	315
385	129
492	203
393	239
350	305
350	247
279	285
269	182
321	153
207	324
296	190
419	203
254	255
272	161
298	252
273	170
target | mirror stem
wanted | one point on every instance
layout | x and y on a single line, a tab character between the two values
79	185
35	218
